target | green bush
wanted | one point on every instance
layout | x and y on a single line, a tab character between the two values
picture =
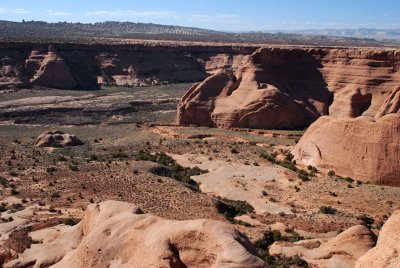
51	169
171	169
327	210
61	158
269	237
119	155
69	221
73	167
234	151
367	221
331	173
269	158
232	208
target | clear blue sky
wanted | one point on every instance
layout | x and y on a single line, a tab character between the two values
233	15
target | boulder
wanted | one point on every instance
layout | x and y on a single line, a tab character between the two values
57	138
360	148
118	234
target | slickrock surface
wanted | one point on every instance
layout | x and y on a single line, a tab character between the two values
118	234
359	148
57	138
237	181
386	252
292	87
340	251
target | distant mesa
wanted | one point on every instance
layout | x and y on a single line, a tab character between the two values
57	138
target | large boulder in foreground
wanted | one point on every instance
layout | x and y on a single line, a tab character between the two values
57	138
360	148
386	253
340	251
116	234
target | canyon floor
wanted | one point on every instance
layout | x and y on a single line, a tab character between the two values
42	187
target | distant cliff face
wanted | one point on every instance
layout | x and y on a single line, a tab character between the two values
74	66
292	87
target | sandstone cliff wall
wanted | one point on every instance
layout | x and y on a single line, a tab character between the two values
292	87
80	66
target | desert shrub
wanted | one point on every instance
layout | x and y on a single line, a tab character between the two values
14	191
288	165
366	220
73	167
331	173
3	182
69	221
61	158
269	158
268	238
119	155
232	208
13	174
312	169
327	210
51	169
170	168
179	173
303	177
55	195
3	207
349	180
145	156
289	157
52	209
333	194
234	151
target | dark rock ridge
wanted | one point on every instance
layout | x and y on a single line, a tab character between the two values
292	87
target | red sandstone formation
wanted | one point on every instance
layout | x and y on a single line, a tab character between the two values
292	87
364	148
358	148
50	70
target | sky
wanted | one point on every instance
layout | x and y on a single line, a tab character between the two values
228	15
